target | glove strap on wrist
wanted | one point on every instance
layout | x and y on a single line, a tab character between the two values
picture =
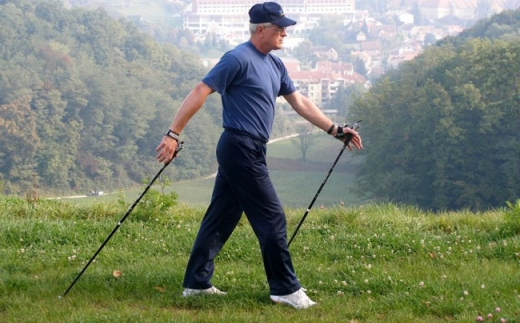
340	134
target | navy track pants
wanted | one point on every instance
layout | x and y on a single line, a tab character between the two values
243	185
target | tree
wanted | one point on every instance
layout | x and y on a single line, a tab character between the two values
417	16
443	129
306	138
429	39
360	67
83	98
303	52
19	143
344	97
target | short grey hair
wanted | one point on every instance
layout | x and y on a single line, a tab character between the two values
252	26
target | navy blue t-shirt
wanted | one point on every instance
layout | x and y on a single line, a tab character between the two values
249	83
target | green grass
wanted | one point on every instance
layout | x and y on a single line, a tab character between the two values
370	263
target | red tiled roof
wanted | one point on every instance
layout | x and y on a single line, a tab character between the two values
341	68
292	66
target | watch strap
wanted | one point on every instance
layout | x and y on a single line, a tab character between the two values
173	135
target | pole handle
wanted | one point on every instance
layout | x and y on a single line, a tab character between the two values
354	127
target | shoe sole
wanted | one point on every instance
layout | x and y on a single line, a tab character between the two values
291	305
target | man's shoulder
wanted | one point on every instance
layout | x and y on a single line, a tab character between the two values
241	50
275	58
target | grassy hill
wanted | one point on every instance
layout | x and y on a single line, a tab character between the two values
371	263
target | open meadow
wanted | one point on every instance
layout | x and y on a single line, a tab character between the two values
371	263
296	181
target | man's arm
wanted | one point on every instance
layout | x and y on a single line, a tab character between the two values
308	110
191	104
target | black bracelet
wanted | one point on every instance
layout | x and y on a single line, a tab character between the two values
331	128
173	135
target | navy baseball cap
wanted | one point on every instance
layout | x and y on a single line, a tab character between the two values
269	12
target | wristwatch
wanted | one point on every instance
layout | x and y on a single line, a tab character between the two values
173	135
332	126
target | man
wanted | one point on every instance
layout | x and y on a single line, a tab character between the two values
248	79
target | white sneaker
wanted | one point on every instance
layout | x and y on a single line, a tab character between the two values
209	291
298	299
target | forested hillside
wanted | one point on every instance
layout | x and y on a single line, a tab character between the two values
85	99
443	131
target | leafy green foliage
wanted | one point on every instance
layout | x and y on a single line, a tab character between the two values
155	203
441	131
512	218
85	99
501	26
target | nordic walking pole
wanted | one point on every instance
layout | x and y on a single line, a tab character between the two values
347	141
179	147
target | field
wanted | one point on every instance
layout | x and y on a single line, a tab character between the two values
360	260
371	263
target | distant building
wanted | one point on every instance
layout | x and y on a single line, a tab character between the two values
361	37
395	60
373	48
437	9
321	83
229	19
325	52
384	31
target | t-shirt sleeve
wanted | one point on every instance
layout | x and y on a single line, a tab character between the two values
286	84
222	74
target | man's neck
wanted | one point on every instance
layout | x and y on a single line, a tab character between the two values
259	45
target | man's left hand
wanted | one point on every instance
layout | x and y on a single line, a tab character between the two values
343	135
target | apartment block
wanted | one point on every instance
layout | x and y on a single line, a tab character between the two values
322	83
229	20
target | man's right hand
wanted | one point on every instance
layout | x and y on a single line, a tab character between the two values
167	150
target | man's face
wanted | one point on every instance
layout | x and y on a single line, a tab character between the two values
274	36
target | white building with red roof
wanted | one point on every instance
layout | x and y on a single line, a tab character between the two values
322	82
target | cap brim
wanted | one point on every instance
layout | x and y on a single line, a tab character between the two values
284	22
